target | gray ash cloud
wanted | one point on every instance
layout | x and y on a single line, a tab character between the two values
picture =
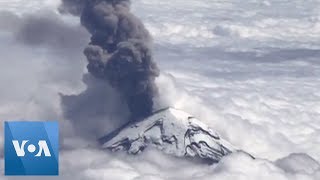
120	50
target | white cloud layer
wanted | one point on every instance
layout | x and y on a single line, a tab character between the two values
96	165
248	69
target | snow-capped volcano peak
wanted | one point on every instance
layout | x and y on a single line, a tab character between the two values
172	131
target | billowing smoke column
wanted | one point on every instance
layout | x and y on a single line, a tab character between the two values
119	51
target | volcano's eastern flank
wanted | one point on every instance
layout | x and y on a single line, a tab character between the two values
172	131
119	51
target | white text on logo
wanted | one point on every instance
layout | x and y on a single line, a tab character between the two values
43	147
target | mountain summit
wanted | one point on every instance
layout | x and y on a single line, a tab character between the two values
172	131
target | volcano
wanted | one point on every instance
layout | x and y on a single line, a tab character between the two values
172	131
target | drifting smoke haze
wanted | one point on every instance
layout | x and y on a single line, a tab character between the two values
119	51
248	69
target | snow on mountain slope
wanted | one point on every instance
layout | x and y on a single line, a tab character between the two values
174	132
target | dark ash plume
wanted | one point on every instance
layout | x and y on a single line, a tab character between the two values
119	51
